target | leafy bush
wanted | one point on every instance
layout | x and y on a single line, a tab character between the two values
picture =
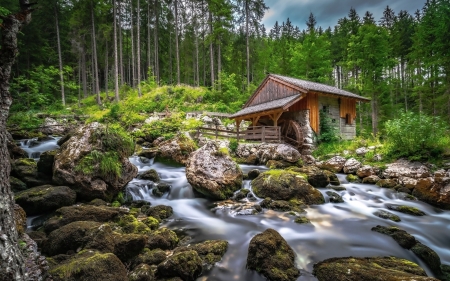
416	136
233	144
328	133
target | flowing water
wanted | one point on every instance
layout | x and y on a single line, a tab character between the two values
336	230
35	148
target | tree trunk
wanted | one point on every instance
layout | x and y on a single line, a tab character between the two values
116	62
106	69
133	68
149	51
12	265
94	54
138	51
211	50
61	74
121	66
156	43
374	115
83	72
176	42
247	42
219	65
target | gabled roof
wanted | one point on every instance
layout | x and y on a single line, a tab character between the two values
283	103
318	87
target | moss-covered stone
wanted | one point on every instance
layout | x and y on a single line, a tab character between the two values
210	251
128	246
151	223
334	197
429	256
302	220
160	212
160	189
387	215
406	210
25	169
130	224
90	266
387	183
403	238
279	205
334	180
42	199
186	265
149	257
286	185
241	194
369	269
151	175
253	174
45	163
315	176
142	272
352	178
270	255
163	238
16	184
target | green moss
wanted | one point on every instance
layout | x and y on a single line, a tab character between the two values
352	178
130	224
410	210
302	220
151	222
103	163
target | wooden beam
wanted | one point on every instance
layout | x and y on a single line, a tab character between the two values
255	120
261	113
275	118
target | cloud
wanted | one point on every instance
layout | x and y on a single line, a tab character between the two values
327	12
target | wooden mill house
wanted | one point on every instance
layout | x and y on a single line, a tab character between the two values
287	109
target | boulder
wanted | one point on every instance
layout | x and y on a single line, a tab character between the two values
149	257
334	197
90	266
387	215
302	220
14	150
213	173
387	183
142	272
261	153
46	198
316	177
361	151
66	215
160	212
163	238
25	169
186	265
436	193
286	185
405	168
406	210
53	127
177	149
77	164
429	256
270	255
253	174
210	251
45	163
334	180
365	171
403	238
369	269
151	175
351	166
16	184
160	188
371	179
335	164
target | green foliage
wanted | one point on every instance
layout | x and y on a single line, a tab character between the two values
416	136
104	163
24	120
233	145
328	132
115	139
167	127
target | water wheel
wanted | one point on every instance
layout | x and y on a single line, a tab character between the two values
292	133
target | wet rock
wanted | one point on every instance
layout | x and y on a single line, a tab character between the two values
16	184
352	178
66	215
436	193
279	205
97	202
25	169
406	210
128	245
39	237
177	149
149	257
45	163
14	150
334	197
160	212
428	256
186	265
351	166
131	225
151	175
302	220
90	184
42	199
241	194
160	189
53	127
371	179
335	164
387	215
163	238
338	188
334	180
64	139
147	153
387	183
286	185
213	173
316	177
90	266
369	269
405	168
403	238
210	251
365	171
270	255
409	183
142	272
253	174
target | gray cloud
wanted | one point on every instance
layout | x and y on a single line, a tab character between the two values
327	12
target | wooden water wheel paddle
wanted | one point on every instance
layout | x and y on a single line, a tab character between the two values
292	134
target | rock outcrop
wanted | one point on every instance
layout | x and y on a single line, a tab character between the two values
213	173
261	153
177	149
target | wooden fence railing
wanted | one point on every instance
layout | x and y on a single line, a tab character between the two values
257	133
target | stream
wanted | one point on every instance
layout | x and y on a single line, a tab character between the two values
336	230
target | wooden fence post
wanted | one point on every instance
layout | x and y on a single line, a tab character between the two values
216	132
263	134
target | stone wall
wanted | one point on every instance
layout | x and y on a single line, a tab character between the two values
331	105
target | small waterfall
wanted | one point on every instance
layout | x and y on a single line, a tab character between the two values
34	147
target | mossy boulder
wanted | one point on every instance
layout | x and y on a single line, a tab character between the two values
371	179
160	189
281	205
177	149
270	255
149	257
46	198
334	180
241	194
66	215
253	174
334	164
302	220
279	164
213	173
128	246
130	224
25	169
16	184
286	185
45	163
94	162
151	175
186	265
142	272
387	183
403	238
210	251
334	197
429	256
160	212
90	266
352	178
14	150
406	210
316	177
369	269
20	219
433	192
387	215
163	238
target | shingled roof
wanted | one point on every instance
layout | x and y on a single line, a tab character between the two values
271	105
313	86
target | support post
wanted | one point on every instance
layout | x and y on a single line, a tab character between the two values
264	134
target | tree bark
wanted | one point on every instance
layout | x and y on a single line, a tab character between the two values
156	43
149	61
138	51
122	76
61	74
12	265
211	50
106	68
116	62
133	59
94	54
177	50
83	71
247	42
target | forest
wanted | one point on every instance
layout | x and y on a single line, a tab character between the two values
76	49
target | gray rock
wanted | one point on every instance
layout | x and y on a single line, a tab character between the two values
351	166
405	168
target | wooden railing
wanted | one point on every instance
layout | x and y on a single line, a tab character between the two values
257	133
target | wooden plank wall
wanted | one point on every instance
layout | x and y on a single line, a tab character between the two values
272	91
311	102
348	106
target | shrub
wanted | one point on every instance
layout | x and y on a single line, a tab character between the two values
233	145
416	136
328	133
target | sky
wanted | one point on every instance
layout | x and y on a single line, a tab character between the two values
327	12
